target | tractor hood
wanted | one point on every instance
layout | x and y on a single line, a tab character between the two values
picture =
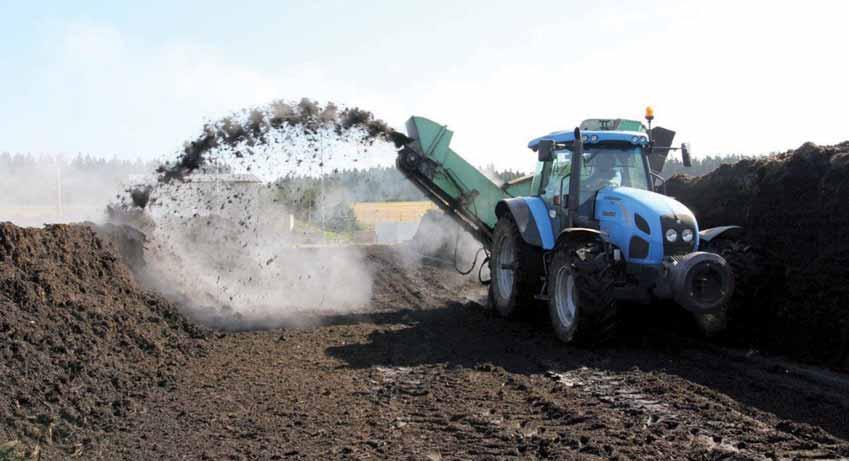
659	204
636	220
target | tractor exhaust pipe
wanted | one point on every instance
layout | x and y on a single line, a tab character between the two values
575	176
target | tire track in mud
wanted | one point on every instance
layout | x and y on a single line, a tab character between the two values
664	412
659	410
605	413
666	407
432	402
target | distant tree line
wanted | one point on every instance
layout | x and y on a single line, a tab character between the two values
12	163
34	180
27	179
376	184
700	167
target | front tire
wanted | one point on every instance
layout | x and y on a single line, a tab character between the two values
580	290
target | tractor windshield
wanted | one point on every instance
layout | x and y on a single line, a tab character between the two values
603	166
613	167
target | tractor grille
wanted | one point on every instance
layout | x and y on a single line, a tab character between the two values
679	247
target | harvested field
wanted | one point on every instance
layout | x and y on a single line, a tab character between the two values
422	371
370	213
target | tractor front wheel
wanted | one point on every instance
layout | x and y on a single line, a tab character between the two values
580	291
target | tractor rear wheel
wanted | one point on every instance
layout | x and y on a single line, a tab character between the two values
511	266
580	291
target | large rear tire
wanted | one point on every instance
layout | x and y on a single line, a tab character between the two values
512	269
580	290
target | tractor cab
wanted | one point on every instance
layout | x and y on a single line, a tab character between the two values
612	152
608	159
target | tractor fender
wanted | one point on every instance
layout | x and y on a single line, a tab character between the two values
577	234
531	217
725	231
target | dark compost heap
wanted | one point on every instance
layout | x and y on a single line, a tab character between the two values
80	341
793	207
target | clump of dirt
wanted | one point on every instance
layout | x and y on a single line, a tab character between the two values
80	342
793	208
140	196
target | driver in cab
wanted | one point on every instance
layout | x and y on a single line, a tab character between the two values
603	173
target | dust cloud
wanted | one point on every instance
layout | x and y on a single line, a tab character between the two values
490	173
243	268
231	241
440	239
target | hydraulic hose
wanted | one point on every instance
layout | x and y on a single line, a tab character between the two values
474	262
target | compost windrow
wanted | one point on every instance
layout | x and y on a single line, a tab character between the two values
792	206
81	342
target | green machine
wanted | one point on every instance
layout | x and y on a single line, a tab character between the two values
451	182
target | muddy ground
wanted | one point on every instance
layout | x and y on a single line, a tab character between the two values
425	371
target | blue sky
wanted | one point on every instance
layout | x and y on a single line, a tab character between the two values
138	79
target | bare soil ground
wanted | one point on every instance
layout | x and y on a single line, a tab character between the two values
427	372
96	369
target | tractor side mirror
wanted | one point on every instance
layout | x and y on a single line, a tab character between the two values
685	155
545	150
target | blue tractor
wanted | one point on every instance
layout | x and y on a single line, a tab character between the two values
590	230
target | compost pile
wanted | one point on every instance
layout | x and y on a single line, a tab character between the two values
793	207
80	342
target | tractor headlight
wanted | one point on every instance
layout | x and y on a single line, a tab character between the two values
687	235
671	235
